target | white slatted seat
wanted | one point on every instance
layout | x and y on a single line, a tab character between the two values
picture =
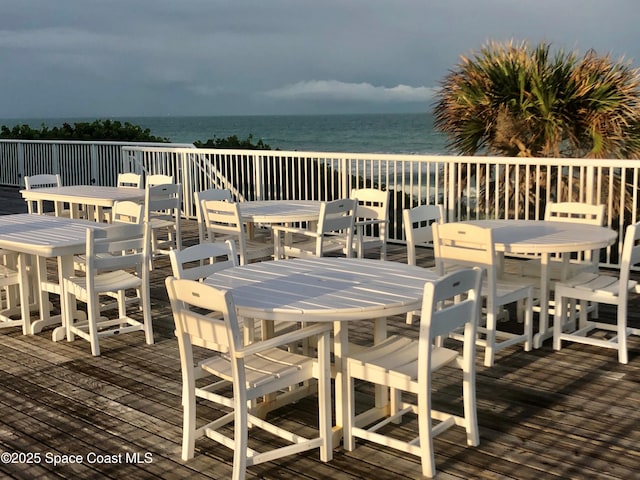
334	233
222	221
117	261
593	287
406	365
250	371
372	220
418	232
462	245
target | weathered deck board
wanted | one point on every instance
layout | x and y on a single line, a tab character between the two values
542	414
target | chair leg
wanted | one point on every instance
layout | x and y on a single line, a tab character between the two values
240	432
350	413
558	319
189	418
489	351
623	356
93	317
428	460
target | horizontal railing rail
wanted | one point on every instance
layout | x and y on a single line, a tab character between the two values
467	187
78	163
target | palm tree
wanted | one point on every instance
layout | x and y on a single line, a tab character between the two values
514	100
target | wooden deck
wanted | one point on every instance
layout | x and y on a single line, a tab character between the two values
542	414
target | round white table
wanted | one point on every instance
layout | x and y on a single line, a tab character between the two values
280	211
327	290
544	237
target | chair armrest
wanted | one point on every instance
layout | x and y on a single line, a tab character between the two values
371	222
285	229
284	339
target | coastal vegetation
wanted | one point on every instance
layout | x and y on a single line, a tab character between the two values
516	100
114	130
98	130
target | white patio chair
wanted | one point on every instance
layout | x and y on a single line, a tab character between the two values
163	212
222	221
45	180
372	220
572	212
210	194
199	261
459	245
129	180
417	227
117	261
9	285
125	180
406	365
561	268
593	287
418	233
254	370
158	179
334	233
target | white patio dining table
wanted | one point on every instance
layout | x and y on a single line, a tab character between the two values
44	236
544	238
93	196
280	211
327	289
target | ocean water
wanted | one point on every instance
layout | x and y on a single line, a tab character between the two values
361	133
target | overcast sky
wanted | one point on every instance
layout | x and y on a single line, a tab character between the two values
102	58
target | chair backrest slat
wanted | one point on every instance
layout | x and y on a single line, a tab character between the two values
208	257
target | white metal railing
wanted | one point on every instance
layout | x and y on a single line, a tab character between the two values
78	163
468	187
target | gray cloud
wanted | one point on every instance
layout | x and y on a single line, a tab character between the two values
203	57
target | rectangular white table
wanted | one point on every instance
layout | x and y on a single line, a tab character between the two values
44	236
337	290
94	197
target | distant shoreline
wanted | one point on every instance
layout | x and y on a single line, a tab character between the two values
358	133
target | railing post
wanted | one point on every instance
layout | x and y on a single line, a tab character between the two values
258	176
345	177
55	158
94	174
590	186
450	172
21	167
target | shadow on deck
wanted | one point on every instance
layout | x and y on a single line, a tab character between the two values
542	414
